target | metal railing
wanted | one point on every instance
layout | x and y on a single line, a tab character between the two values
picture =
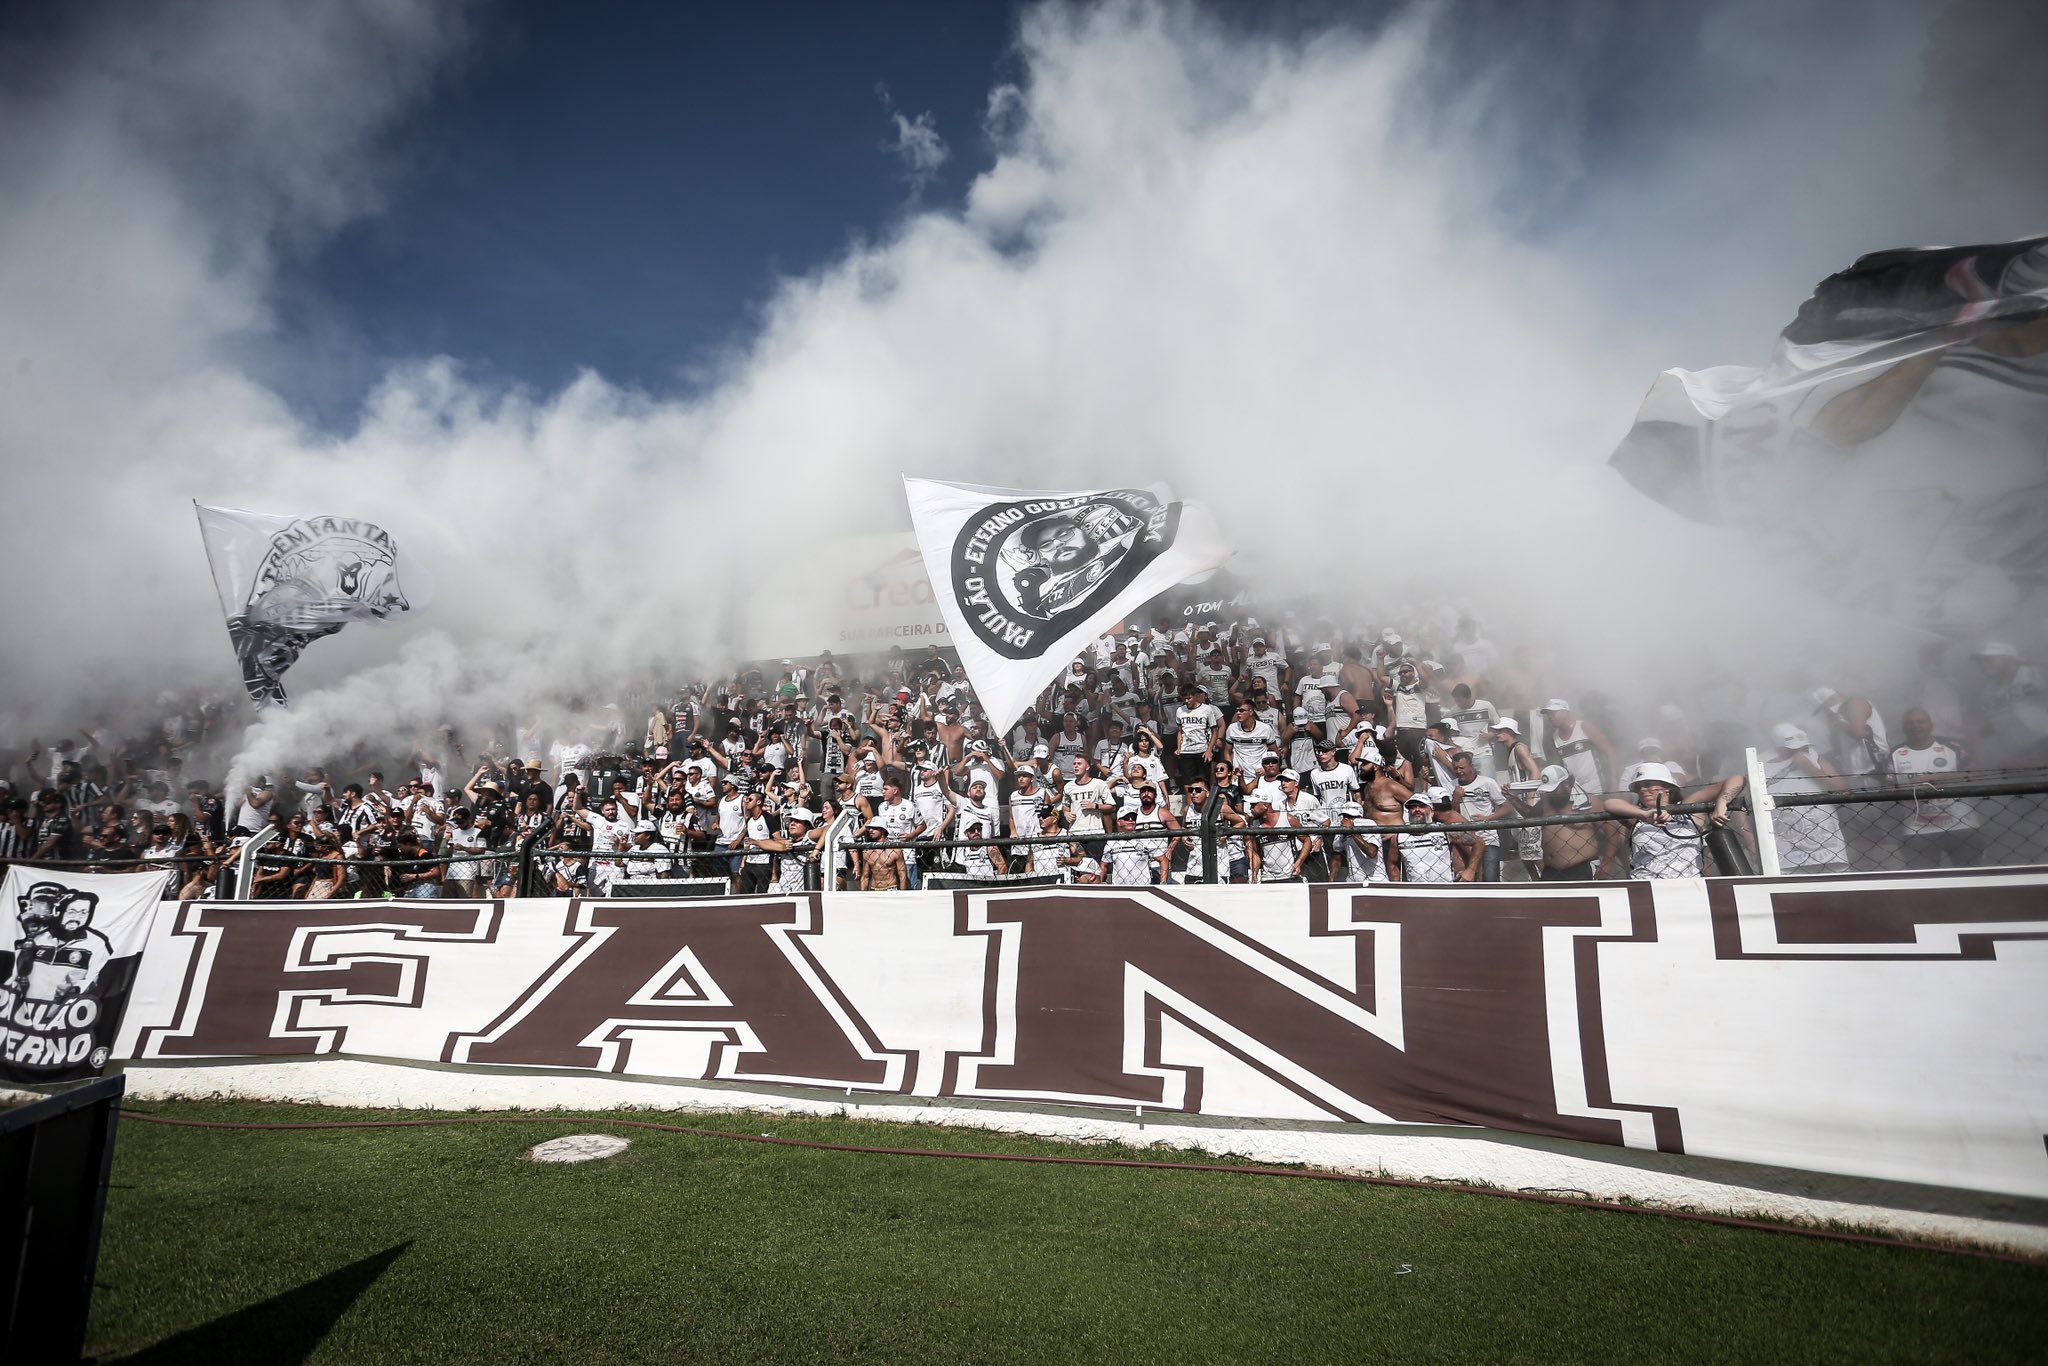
1968	820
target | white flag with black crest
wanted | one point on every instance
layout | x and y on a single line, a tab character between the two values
1026	579
286	581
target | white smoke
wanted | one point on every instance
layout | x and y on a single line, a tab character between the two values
1301	277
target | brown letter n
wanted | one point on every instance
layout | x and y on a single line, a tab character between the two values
1466	1040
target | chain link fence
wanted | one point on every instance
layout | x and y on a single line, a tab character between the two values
1965	820
1969	820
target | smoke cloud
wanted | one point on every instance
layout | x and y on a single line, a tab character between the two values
1384	304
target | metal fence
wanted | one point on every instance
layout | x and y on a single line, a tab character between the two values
1967	820
1970	822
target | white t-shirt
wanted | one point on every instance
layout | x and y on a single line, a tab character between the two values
1197	725
608	836
1249	745
1932	815
1483	797
1082	799
757	829
732	819
1333	786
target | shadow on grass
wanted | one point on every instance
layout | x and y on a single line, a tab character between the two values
283	1328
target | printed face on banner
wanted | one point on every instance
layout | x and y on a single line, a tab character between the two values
318	574
1026	573
53	999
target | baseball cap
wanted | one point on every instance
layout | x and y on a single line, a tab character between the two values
1508	724
1996	649
643	827
1554	777
1290	773
1648	743
1301	713
1350	809
1087	865
1418	799
1822	695
1653	772
1555	704
801	813
1041	750
1321	647
1789	736
1438	796
1371	755
1390	635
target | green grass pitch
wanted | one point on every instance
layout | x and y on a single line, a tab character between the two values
443	1245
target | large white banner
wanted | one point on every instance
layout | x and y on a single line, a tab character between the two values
68	952
1026	579
284	582
1894	450
875	595
1881	1026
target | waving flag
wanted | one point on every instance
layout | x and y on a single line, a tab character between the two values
1026	579
284	582
1895	448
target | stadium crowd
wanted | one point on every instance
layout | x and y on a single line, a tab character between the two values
1327	755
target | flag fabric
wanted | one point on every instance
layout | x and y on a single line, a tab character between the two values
1894	451
284	582
69	947
1026	579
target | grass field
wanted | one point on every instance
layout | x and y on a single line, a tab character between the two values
442	1245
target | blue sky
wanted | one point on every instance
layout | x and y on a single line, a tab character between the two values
616	186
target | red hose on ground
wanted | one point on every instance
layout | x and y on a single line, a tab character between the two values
1299	1173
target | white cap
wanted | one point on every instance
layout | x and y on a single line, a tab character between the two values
1653	773
1996	649
1301	713
1087	865
1554	777
1439	795
1508	724
1649	742
1350	809
644	828
800	813
1822	696
1041	750
1390	635
1789	736
1418	799
1371	755
1555	704
1287	773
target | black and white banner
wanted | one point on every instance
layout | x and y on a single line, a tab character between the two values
1892	451
72	944
284	582
1026	579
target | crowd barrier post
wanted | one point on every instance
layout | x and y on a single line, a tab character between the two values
525	883
1209	810
1761	806
245	864
835	833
